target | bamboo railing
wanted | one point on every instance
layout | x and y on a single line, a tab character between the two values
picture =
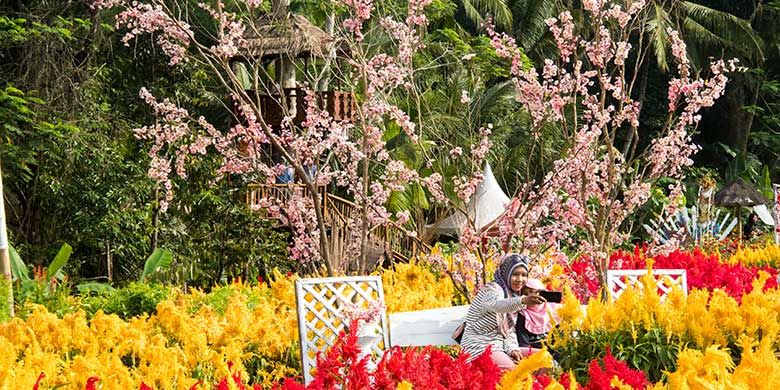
338	212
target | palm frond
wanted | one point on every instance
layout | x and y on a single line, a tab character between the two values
734	33
529	17
498	9
693	30
472	13
656	26
492	99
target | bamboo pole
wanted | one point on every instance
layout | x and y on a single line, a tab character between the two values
5	259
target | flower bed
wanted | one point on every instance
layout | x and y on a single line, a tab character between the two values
239	335
704	270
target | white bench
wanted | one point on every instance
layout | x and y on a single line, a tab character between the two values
426	327
435	326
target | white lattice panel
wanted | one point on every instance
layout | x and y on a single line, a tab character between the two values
665	279
319	302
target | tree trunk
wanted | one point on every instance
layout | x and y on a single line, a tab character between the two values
109	263
5	259
155	219
285	67
364	229
734	121
324	83
629	146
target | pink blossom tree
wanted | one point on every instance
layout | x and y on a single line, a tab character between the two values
603	177
348	154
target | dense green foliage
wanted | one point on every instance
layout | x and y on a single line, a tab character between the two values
652	351
133	300
74	172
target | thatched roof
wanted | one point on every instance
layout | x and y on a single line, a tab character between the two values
739	193
292	34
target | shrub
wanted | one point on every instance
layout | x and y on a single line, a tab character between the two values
650	350
133	300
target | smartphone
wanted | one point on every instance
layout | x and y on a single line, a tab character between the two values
551	296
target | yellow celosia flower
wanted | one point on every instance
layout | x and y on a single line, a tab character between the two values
413	286
618	384
757	256
521	377
404	385
759	367
708	370
570	313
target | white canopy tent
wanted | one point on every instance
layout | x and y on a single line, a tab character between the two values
486	205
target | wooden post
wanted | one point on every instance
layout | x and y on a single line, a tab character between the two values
5	259
739	222
109	263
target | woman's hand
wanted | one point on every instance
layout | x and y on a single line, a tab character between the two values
516	355
534	299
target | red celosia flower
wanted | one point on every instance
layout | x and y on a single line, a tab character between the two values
342	366
428	368
601	379
144	386
703	271
542	381
289	384
565	380
196	384
38	381
92	383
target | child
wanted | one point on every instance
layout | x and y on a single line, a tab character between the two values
533	322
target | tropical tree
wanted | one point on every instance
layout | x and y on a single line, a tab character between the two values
600	181
705	30
350	154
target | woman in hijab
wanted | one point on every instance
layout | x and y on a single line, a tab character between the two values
491	318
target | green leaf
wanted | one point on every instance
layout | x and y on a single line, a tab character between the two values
96	287
59	261
765	186
18	268
160	258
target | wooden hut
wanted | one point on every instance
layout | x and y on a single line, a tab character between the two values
288	47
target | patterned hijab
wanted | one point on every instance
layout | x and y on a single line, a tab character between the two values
506	321
505	269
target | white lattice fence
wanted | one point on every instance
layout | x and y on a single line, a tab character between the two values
319	303
665	279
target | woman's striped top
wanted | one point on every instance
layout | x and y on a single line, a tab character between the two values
482	322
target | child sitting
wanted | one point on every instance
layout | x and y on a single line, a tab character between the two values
533	322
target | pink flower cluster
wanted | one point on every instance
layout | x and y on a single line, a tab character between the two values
368	315
415	14
106	4
672	152
361	11
562	29
230	32
173	36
